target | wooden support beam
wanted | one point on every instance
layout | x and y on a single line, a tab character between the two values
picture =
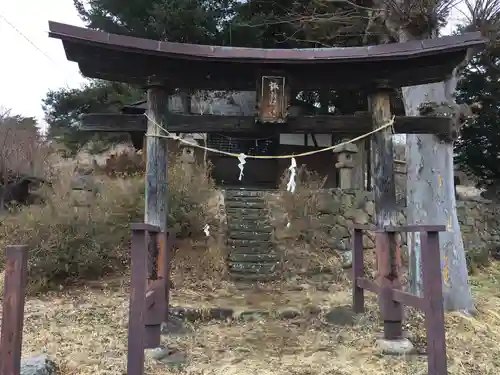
382	159
384	191
114	122
359	170
15	280
350	125
137	304
156	160
155	207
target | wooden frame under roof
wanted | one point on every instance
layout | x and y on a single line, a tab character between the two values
133	60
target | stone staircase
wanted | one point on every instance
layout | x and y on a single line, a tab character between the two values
251	252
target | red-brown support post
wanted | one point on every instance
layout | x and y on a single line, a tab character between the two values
13	309
388	260
155	295
358	294
164	240
137	307
433	299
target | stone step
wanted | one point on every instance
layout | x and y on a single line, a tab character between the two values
249	244
247	215
243	193
240	252
251	255
241	235
237	276
259	258
262	268
250	250
233	199
246	220
245	204
250	226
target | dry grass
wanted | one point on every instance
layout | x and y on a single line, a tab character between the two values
85	331
21	149
300	234
81	235
70	237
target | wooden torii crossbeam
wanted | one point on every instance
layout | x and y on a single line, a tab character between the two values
192	123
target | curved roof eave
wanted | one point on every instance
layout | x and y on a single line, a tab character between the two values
395	51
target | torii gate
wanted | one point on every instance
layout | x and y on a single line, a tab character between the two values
273	73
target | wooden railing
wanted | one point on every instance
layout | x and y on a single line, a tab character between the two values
389	289
13	309
149	292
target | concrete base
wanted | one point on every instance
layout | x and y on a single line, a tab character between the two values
399	347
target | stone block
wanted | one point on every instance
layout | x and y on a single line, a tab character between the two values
361	217
38	365
399	347
370	208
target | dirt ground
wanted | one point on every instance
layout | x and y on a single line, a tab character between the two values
85	331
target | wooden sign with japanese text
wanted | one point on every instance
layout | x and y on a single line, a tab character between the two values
272	99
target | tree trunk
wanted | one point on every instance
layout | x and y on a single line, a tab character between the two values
431	198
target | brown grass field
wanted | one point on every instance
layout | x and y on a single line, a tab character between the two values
85	330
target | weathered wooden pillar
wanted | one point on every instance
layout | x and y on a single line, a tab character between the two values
359	170
144	149
384	188
155	208
345	164
384	192
369	178
185	96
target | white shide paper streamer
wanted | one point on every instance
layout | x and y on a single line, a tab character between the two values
293	172
241	165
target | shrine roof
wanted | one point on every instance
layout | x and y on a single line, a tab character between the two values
130	59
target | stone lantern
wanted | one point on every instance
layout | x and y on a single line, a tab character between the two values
345	163
187	154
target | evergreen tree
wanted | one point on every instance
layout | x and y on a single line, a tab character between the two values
64	107
183	21
478	149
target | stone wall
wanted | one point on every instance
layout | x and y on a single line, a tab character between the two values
480	223
325	216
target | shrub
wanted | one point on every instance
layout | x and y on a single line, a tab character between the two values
69	243
301	207
301	235
21	148
189	189
189	195
478	258
23	155
76	236
123	164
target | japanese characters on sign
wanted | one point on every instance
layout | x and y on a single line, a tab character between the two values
272	99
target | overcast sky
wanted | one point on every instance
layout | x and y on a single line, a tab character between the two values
28	72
